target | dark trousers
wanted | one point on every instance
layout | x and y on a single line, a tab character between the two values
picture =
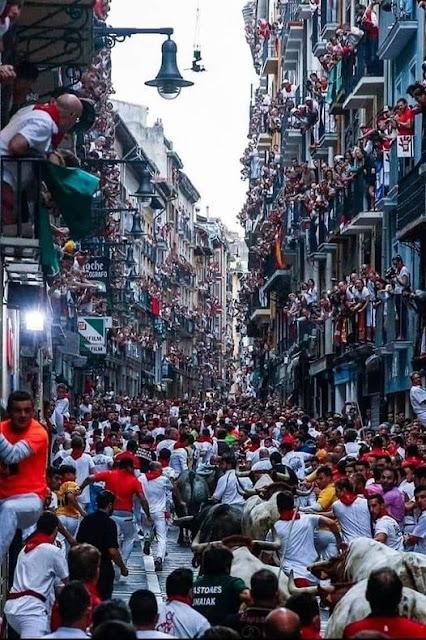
106	580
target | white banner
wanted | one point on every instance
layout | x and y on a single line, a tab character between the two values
405	146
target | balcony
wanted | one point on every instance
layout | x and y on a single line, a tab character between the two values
280	280
293	30
325	132
363	222
261	316
270	58
305	10
56	34
396	28
396	325
264	142
363	77
329	19
411	212
318	42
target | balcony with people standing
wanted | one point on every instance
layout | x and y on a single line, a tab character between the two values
397	26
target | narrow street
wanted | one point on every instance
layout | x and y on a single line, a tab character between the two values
141	569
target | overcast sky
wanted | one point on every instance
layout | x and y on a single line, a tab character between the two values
208	123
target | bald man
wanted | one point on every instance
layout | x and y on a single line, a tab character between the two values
282	624
158	492
33	131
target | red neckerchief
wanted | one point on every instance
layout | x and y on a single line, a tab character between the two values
205	439
35	540
53	112
76	454
164	463
253	447
347	497
184	599
385	512
153	475
179	445
288	514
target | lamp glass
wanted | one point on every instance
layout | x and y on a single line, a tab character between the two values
34	320
168	92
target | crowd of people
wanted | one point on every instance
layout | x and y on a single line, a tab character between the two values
77	491
352	304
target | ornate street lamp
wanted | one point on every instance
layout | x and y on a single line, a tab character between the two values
169	81
145	192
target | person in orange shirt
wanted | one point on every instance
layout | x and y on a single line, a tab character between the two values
24	447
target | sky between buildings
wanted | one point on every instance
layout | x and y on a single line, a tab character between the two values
208	123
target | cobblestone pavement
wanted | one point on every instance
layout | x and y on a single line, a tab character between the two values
141	568
143	576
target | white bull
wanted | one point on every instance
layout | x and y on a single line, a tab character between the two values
245	564
366	555
354	606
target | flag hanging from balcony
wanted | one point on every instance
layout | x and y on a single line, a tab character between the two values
72	189
405	146
48	253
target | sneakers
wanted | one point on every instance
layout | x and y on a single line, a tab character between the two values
158	564
146	548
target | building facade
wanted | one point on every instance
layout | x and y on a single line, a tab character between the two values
336	185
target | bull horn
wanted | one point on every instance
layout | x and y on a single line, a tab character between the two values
198	547
269	545
293	590
242	474
183	520
247	493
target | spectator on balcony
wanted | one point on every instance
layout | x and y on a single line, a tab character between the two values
404	118
370	26
33	130
401	281
362	298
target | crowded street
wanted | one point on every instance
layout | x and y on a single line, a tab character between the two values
213	319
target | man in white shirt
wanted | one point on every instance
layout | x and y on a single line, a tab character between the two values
418	398
351	511
295	460
229	486
264	463
418	536
40	565
179	457
74	611
158	491
144	608
84	467
61	410
386	529
85	407
176	615
35	128
296	533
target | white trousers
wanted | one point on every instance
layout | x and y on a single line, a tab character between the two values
126	532
17	512
159	523
325	544
35	626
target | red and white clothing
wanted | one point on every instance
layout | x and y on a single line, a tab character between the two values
23	486
181	620
354	519
38	571
158	492
390	527
38	128
391	626
297	544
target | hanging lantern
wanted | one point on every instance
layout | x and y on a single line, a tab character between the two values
169	81
136	230
145	191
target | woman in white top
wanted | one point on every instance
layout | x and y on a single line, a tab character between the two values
386	529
